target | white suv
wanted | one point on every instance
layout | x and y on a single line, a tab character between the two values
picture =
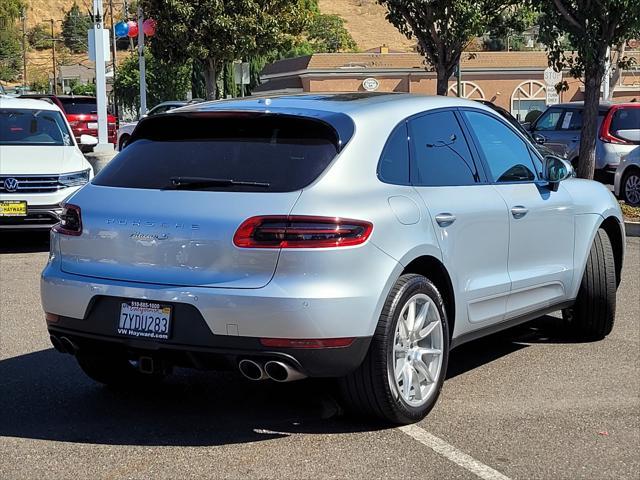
40	163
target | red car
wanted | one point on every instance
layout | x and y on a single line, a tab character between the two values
81	113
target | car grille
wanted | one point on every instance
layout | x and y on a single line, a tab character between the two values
32	183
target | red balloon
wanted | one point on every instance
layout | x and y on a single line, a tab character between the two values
149	27
133	28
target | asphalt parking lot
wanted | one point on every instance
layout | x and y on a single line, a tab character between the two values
520	404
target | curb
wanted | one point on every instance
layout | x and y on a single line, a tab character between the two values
632	229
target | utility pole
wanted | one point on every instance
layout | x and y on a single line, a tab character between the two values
24	47
141	63
113	58
55	69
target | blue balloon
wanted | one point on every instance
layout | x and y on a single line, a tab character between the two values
121	29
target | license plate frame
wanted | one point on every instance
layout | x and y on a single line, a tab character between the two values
21	211
144	320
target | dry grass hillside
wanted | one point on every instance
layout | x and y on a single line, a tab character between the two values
364	19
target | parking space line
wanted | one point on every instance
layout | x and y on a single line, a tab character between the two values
452	453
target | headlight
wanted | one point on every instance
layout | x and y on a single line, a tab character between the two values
74	179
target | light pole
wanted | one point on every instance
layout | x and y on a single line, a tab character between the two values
141	63
100	55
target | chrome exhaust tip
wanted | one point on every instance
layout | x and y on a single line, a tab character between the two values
68	345
282	372
251	370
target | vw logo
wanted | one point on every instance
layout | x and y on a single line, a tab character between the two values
11	184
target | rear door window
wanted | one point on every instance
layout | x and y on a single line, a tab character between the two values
440	155
283	153
549	120
78	106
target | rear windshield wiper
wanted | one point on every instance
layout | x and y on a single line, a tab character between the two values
195	183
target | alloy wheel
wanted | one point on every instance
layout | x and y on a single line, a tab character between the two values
632	189
417	351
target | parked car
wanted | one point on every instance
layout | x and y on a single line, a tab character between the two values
627	180
40	163
82	113
126	129
618	133
359	236
544	151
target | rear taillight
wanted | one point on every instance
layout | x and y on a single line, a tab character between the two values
301	232
70	221
605	129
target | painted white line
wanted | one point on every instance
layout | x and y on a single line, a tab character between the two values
452	453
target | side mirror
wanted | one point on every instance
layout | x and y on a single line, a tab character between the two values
539	139
88	140
555	171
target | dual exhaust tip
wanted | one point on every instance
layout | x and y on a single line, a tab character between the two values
274	369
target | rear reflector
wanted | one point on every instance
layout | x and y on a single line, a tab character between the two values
51	317
307	342
294	231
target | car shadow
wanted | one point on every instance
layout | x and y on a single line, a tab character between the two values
24	241
46	396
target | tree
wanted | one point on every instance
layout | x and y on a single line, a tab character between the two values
74	29
444	28
217	31
327	33
10	47
593	27
39	37
166	81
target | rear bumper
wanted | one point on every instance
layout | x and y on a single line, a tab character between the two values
193	345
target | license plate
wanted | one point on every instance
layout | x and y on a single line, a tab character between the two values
13	208
92	125
144	320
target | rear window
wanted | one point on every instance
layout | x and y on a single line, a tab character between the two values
625	119
78	106
287	153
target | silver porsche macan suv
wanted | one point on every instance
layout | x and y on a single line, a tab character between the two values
358	236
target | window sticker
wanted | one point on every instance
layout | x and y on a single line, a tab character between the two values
567	120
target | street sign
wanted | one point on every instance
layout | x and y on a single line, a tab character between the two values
92	48
553	97
551	77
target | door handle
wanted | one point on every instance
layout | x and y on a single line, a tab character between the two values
519	211
445	219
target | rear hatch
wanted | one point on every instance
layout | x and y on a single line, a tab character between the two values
165	209
82	114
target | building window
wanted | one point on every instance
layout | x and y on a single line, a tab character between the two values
529	100
469	90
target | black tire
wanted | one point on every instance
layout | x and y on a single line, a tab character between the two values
631	172
115	371
369	390
124	139
593	314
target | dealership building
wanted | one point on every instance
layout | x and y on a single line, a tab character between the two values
513	80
